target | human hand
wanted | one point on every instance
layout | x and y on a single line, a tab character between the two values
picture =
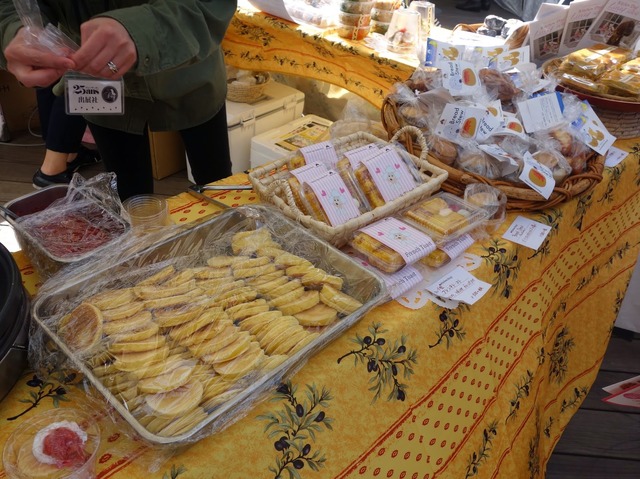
104	42
32	64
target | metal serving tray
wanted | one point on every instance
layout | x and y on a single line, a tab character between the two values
191	247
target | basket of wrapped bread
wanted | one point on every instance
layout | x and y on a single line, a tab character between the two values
338	186
609	78
484	125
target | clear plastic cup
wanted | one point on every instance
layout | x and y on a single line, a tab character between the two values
404	31
147	211
25	452
493	200
427	17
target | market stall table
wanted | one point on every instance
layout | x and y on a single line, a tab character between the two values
259	41
483	390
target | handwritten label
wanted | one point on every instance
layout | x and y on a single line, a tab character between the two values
527	232
460	285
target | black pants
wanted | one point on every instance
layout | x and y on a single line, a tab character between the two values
61	132
128	155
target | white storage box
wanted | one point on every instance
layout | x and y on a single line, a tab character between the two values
279	105
279	142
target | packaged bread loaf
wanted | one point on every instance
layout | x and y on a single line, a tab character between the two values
390	244
595	60
386	177
444	217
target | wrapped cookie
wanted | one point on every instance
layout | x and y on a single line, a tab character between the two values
499	85
475	161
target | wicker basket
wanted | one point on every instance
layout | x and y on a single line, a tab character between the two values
519	196
619	115
241	92
515	40
269	181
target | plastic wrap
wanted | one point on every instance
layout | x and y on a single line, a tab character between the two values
477	161
183	336
316	13
48	37
64	225
445	217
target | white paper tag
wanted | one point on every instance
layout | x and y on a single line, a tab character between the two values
335	198
323	152
411	243
459	122
537	176
460	285
614	156
460	78
90	96
439	51
592	131
512	126
541	112
509	59
527	232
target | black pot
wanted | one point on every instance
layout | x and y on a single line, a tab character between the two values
14	323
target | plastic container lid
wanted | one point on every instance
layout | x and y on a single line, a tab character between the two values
57	444
444	216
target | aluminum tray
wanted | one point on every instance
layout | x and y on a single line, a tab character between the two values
192	247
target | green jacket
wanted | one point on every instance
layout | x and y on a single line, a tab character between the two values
179	80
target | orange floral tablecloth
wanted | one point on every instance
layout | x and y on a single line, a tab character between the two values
258	41
481	391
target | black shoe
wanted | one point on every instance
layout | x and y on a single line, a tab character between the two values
474	5
40	180
86	157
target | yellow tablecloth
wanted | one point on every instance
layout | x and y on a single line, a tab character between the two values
486	390
258	41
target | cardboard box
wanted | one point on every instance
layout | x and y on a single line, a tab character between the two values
19	104
279	105
167	153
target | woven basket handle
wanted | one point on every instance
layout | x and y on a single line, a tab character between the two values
417	135
282	186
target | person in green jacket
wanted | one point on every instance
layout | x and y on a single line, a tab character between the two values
168	53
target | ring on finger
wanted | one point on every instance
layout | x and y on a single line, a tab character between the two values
112	66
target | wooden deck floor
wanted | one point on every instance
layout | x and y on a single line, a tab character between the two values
601	442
